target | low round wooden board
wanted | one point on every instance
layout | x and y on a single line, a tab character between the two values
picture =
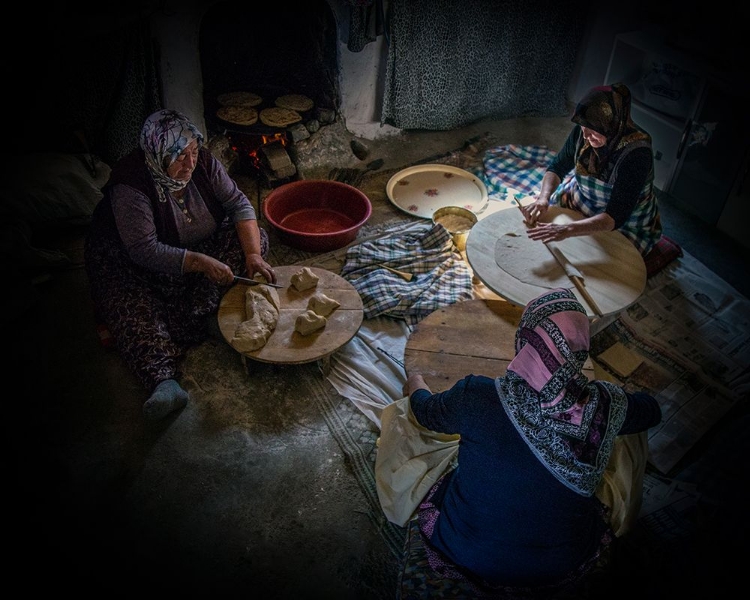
613	269
285	345
471	337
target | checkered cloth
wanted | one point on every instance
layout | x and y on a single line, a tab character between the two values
441	277
518	167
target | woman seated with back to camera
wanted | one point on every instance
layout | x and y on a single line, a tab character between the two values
605	171
521	513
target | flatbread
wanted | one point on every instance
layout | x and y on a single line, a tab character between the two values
279	117
239	115
239	99
296	102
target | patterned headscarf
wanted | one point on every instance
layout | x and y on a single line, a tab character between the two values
165	134
568	422
606	110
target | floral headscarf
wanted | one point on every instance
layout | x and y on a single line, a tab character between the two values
165	134
606	110
568	422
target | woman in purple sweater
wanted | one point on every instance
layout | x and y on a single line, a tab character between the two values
519	513
165	242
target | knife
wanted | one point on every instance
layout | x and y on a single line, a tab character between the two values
247	281
575	276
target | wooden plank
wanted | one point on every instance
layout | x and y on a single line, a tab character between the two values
472	337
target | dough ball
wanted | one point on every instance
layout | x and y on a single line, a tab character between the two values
322	304
309	322
304	279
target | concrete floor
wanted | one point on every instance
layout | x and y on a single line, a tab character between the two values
240	493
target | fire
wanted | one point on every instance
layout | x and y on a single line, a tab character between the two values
248	146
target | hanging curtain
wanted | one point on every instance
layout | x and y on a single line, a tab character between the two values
112	86
453	62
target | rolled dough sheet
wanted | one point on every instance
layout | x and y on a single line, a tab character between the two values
546	272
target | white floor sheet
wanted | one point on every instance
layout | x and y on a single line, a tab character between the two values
369	369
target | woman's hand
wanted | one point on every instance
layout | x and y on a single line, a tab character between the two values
555	232
550	232
256	264
213	269
532	212
415	382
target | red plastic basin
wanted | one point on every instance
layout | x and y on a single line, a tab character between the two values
317	215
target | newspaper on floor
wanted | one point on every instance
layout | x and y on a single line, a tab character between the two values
686	341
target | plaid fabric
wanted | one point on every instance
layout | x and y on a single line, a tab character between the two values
441	277
590	196
518	167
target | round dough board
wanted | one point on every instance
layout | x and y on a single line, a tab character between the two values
285	345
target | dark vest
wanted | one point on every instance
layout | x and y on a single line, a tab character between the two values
131	170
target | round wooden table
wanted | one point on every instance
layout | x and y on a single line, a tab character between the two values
519	269
472	337
285	345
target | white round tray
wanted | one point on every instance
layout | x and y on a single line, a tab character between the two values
422	189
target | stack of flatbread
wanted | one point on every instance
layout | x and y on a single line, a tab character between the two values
296	102
237	107
239	99
239	115
279	117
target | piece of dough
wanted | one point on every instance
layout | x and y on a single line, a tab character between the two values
304	279
249	336
261	318
308	322
322	305
259	307
270	294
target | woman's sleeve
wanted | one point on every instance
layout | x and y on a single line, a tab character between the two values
631	178
134	217
440	412
235	202
643	413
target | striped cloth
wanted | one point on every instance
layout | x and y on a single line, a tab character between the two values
441	277
517	167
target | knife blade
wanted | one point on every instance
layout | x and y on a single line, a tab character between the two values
575	276
247	281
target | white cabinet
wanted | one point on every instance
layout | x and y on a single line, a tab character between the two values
698	124
667	88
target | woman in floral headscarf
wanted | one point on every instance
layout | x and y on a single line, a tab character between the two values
605	171
521	513
165	242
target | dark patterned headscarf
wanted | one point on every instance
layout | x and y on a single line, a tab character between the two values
165	134
606	110
568	422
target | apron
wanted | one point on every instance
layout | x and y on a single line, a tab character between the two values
590	196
